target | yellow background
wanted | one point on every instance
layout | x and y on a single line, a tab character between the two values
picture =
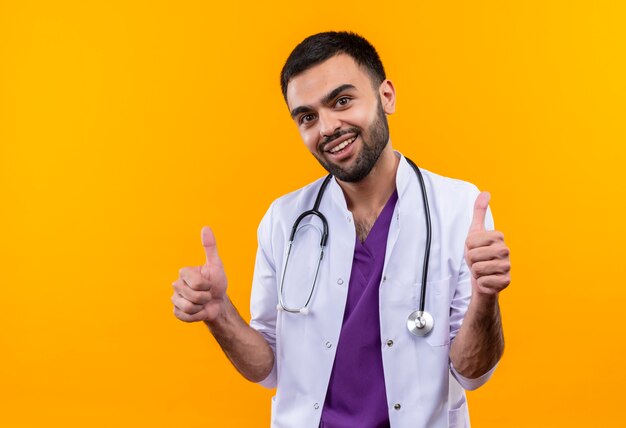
126	126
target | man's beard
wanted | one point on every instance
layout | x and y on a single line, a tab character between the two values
378	133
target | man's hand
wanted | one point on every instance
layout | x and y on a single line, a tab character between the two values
200	291
486	254
479	343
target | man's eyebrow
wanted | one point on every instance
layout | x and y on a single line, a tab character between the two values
302	109
326	99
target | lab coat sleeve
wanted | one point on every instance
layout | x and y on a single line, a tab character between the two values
459	305
471	384
263	298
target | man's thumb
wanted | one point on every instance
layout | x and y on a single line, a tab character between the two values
210	247
480	211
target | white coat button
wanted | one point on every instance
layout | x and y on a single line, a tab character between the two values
390	343
340	281
397	406
328	344
316	406
349	219
384	278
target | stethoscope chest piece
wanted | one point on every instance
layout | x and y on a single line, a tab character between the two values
420	323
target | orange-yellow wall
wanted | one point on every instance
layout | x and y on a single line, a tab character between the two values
127	125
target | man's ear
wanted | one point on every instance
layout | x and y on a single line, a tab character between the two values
387	94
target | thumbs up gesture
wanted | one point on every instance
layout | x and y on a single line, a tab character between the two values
486	254
200	291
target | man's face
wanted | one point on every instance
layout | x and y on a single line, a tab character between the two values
340	116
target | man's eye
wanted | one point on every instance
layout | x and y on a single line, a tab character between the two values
307	118
343	101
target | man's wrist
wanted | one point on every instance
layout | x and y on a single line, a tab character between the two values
484	300
219	320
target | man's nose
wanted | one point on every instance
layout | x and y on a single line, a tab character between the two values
329	123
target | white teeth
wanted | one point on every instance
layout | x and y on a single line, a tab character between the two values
342	145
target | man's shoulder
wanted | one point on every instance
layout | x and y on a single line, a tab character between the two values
453	199
439	185
449	184
450	198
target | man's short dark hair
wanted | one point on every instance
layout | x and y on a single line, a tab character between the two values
319	47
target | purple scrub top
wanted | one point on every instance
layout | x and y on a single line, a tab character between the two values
356	392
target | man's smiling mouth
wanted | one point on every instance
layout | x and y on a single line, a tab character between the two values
342	145
336	147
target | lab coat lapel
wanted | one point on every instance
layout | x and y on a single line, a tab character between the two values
339	256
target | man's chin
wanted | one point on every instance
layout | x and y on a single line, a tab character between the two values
349	175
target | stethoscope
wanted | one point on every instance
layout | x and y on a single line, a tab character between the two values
419	322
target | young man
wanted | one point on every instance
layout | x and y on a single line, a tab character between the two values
333	333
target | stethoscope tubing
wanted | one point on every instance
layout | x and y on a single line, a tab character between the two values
419	322
324	238
428	234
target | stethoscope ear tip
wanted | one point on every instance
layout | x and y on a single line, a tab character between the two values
304	311
279	307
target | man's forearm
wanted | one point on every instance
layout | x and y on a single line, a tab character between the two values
245	347
480	343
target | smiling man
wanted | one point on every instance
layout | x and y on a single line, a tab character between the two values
334	326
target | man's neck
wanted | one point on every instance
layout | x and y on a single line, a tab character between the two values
370	194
